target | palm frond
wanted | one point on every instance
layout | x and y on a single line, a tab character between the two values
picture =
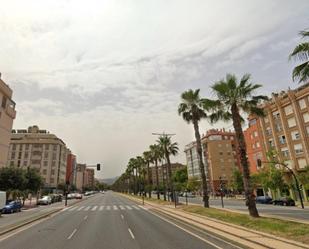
301	72
300	52
219	115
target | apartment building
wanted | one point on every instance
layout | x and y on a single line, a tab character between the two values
220	151
80	172
71	168
39	149
162	172
7	115
285	128
254	143
192	159
89	178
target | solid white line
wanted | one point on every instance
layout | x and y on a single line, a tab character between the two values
132	235
94	208
101	208
80	208
85	218
193	234
72	234
122	217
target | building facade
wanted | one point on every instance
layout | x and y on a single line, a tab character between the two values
80	174
162	172
39	149
71	168
7	115
88	178
220	151
193	165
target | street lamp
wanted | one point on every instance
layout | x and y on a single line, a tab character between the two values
221	191
259	163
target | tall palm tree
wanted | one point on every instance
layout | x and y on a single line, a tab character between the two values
132	167
156	154
168	148
147	158
232	98
191	110
141	168
301	53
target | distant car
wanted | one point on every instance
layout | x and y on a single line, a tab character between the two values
190	195
45	200
264	200
11	207
78	196
284	201
70	196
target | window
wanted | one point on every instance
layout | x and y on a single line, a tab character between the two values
298	149
253	146
278	127
46	154
302	103
302	163
45	163
26	155
52	180
13	155
307	129
295	135
232	138
257	145
276	115
282	139
268	131
18	163
288	110
52	172
255	133
27	146
266	120
44	172
46	146
55	147
285	152
3	103
252	122
271	142
291	122
19	155
25	163
53	163
14	147
220	153
11	163
54	156
306	117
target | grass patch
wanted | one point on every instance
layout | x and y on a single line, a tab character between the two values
286	229
155	200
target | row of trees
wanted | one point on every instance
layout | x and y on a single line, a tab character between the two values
138	176
18	182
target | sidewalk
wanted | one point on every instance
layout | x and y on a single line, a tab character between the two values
244	236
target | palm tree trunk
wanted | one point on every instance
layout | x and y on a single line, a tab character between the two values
157	179
250	200
202	167
148	180
169	171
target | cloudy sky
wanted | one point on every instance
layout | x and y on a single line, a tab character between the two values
104	75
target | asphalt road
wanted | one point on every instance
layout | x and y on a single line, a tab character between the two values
266	209
109	221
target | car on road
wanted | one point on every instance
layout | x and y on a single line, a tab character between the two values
284	201
78	196
45	200
264	200
11	207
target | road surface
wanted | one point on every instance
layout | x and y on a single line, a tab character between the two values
113	222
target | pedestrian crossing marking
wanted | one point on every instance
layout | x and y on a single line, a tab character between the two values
105	207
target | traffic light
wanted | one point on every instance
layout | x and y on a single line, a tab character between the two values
98	166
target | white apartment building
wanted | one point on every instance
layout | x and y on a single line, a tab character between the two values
7	115
39	149
193	167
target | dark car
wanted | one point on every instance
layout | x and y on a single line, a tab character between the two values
284	201
264	200
11	207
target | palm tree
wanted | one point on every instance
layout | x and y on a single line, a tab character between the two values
155	155
232	98
191	110
147	158
301	53
132	166
168	148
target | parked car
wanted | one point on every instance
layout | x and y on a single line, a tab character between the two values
284	201
78	196
56	198
45	200
11	207
264	200
71	196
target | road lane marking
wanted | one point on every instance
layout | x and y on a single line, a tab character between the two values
101	208
137	208
142	207
80	208
87	208
71	209
86	217
132	235
115	207
128	207
122	217
108	208
72	234
94	208
121	207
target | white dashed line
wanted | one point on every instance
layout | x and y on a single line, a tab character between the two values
132	235
72	234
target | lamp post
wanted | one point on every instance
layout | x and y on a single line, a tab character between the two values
221	191
259	163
